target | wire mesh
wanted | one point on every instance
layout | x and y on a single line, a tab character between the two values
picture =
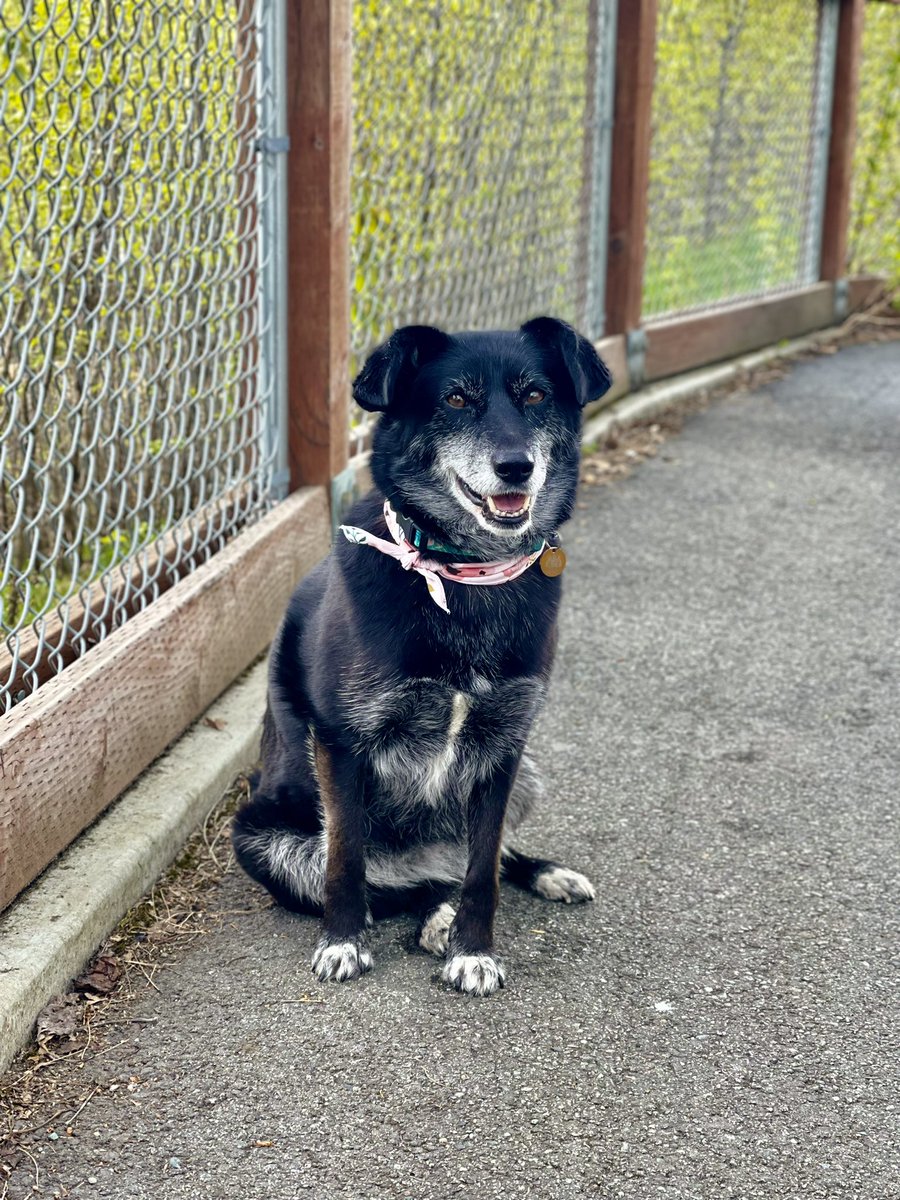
132	427
874	242
473	157
738	150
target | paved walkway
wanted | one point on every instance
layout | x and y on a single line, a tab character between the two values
723	746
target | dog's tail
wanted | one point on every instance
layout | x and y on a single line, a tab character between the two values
288	861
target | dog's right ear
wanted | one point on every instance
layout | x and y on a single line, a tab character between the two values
388	372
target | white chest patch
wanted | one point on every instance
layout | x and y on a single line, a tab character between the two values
440	764
402	764
461	706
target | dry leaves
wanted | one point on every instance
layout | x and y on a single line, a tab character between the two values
61	1018
101	976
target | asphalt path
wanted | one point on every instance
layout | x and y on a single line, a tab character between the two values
721	744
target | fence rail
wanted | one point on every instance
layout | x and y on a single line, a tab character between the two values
191	262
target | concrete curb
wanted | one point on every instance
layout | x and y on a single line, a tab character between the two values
654	399
56	925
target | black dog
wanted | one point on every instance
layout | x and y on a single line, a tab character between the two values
400	700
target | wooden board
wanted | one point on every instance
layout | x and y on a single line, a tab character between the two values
682	343
67	751
863	290
842	140
630	166
318	203
612	351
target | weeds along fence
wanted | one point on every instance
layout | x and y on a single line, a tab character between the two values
193	262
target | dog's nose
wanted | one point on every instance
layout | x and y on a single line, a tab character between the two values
514	466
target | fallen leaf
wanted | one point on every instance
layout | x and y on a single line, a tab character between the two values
262	1143
101	976
60	1018
214	722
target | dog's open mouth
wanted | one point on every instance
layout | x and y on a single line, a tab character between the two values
507	508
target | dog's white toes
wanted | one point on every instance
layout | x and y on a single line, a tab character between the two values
435	932
338	961
474	974
559	883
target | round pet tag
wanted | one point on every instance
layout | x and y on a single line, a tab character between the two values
553	561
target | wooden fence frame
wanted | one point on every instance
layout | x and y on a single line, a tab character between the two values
69	749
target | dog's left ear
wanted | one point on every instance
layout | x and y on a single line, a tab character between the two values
388	372
590	375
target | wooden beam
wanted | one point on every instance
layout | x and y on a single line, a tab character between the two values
612	351
630	173
865	290
682	343
318	204
68	750
836	217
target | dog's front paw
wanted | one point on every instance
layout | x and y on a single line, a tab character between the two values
474	974
434	935
338	961
559	883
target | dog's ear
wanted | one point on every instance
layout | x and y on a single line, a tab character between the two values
590	375
389	371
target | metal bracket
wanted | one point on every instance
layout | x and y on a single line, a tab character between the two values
273	145
280	484
635	357
841	300
344	493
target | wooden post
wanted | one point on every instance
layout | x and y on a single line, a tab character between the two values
836	218
318	205
635	66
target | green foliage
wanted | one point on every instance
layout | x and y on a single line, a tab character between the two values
874	243
469	131
733	137
128	398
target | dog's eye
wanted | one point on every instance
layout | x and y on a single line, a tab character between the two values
535	396
456	400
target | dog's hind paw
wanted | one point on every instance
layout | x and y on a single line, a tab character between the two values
559	883
435	932
338	961
474	974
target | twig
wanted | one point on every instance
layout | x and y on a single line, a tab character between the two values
37	1169
209	848
83	1105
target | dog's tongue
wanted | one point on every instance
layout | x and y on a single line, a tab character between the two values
509	501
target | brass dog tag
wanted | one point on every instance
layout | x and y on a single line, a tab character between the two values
553	561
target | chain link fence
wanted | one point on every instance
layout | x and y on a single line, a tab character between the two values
133	422
142	233
480	157
741	113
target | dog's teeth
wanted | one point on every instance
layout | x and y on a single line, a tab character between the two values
506	512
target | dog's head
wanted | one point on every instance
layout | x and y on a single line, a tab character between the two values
479	437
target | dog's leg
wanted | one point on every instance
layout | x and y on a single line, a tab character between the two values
545	878
437	915
342	952
471	965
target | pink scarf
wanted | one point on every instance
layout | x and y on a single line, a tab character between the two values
486	574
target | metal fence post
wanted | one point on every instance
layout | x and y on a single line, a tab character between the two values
273	145
602	31
820	133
